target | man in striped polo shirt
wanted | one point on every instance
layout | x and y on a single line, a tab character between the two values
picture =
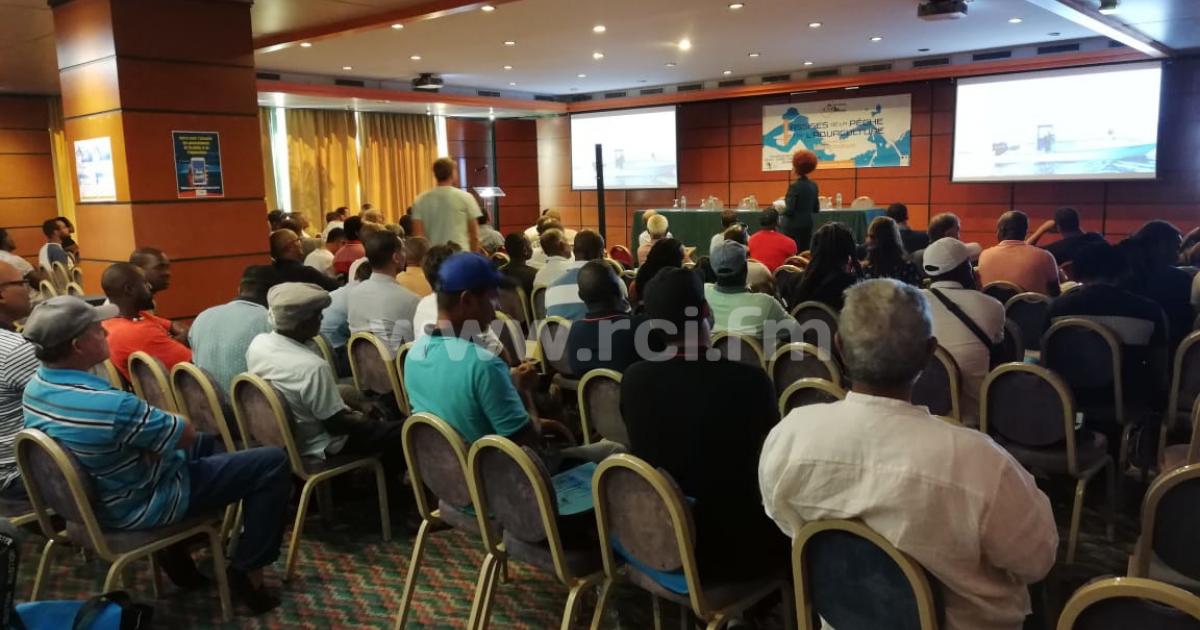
17	365
150	468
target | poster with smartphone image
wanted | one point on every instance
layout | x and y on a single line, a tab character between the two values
198	164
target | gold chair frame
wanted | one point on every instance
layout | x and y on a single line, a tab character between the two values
74	289
808	350
1082	477
1143	551
536	316
326	351
158	373
1119	587
585	423
944	357
59	276
526	314
311	480
386	358
1172	416
751	341
47	289
113	375
99	542
514	329
540	354
77	275
233	515
814	304
1003	284
833	389
499	259
912	570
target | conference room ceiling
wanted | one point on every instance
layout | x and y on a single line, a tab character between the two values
1175	23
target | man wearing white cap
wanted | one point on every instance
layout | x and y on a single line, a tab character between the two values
966	322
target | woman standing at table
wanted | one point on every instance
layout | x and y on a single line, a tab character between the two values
802	203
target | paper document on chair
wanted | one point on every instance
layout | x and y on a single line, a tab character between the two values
574	489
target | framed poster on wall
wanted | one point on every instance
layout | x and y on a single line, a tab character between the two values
94	170
848	133
198	164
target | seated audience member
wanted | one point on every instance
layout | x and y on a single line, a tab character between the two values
68	241
1153	251
831	271
335	219
55	230
644	238
550	217
1137	321
911	239
156	266
1013	260
664	254
558	257
380	305
489	239
413	277
562	297
729	218
7	247
678	414
288	261
150	468
657	228
948	264
734	308
221	334
370	214
321	258
275	219
948	496
448	375
406	221
768	245
941	226
136	329
426	316
323	424
518	269
548	222
759	278
352	249
604	338
885	254
18	363
297	223
335	320
1071	238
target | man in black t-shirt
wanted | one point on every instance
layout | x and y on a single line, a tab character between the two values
912	239
704	420
605	337
1066	225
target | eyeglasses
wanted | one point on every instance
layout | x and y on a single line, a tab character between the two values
25	281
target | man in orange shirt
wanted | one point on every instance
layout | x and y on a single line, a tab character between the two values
1013	260
136	329
767	245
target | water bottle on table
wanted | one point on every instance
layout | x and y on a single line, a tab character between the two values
837	201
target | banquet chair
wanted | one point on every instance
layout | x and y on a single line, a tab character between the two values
46	289
1030	411
511	484
939	386
508	331
1012	346
741	348
204	404
537	303
1001	290
1178	455
616	266
797	360
786	270
600	406
1122	603
834	561
500	260
816	318
621	254
77	275
60	277
551	337
1028	311
1185	388
374	370
643	509
862	203
114	376
326	351
515	304
150	382
1166	549
809	391
74	289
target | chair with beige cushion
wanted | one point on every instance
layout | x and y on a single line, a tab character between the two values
1166	550
374	369
862	203
1028	310
799	360
57	482
741	348
60	277
1182	397
645	511
150	382
600	406
512	484
809	391
1125	603
1030	411
1002	290
852	577
264	419
940	387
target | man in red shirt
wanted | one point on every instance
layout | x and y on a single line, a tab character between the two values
767	245
352	250
136	328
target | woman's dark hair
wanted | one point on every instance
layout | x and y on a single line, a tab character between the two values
886	258
666	252
832	247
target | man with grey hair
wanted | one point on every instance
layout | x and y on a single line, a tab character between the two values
948	496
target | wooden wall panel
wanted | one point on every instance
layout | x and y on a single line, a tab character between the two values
518	171
27	195
197	284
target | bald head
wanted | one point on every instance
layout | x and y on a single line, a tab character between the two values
15	300
155	265
589	245
599	287
285	245
126	286
1012	226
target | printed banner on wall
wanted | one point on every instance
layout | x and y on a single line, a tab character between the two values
198	164
94	170
847	133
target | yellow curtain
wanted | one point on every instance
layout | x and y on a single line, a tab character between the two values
322	161
268	154
397	152
61	157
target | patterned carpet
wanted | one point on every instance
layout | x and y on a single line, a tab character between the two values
347	577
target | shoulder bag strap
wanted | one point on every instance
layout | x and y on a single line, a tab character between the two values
963	317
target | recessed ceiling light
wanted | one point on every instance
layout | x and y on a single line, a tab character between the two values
597	55
581	75
734	6
1054	34
922	50
877	38
1108	7
754	55
727	72
415	57
512	83
510	43
852	87
508	67
1015	20
814	25
487	8
670	64
641	80
306	44
398	26
808	63
685	44
599	28
347	67
574	89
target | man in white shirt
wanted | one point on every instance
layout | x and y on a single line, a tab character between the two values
380	305
948	496
534	232
7	247
558	257
321	258
335	219
948	263
446	214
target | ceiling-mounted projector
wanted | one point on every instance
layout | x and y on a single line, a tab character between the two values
942	10
427	81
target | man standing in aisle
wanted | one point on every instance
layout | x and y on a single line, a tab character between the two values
446	214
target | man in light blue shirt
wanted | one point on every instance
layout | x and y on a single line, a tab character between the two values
379	305
221	334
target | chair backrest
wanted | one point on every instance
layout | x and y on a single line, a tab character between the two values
854	578
1012	347
437	459
56	483
114	376
202	402
1170	520
940	386
1029	406
616	266
47	289
600	406
74	289
77	275
500	260
552	344
537	303
1002	290
515	304
1185	379
800	360
374	368
509	333
812	318
1129	602
1028	311
326	350
809	391
150	382
60	276
263	417
862	203
1087	356
621	254
644	510
785	271
741	348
